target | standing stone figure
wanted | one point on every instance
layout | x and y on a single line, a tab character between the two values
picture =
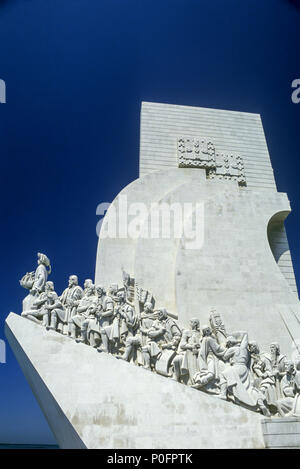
124	327
69	300
88	317
209	354
146	320
106	304
186	363
263	377
289	405
275	366
102	320
147	317
76	320
35	281
41	273
105	307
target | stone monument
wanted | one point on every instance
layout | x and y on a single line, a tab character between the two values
189	335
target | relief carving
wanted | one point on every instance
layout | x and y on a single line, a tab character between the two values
201	153
206	358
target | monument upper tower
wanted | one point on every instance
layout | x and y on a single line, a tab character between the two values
230	132
242	267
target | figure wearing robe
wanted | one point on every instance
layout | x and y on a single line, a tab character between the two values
186	363
163	334
69	299
264	379
275	367
289	404
40	277
43	305
209	354
236	378
82	312
101	325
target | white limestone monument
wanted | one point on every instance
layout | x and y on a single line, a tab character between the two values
189	335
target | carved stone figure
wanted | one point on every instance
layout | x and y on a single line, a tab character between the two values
147	318
43	305
289	405
296	405
129	286
35	281
125	327
144	297
297	363
87	283
121	333
263	377
186	363
209	354
163	339
107	307
82	313
208	360
218	327
69	299
235	378
275	366
41	273
97	327
37	312
113	291
88	317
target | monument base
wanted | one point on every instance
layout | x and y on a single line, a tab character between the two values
282	433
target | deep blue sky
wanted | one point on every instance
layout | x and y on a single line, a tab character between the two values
76	72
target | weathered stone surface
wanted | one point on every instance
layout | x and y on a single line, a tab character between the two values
281	433
93	400
229	131
234	271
